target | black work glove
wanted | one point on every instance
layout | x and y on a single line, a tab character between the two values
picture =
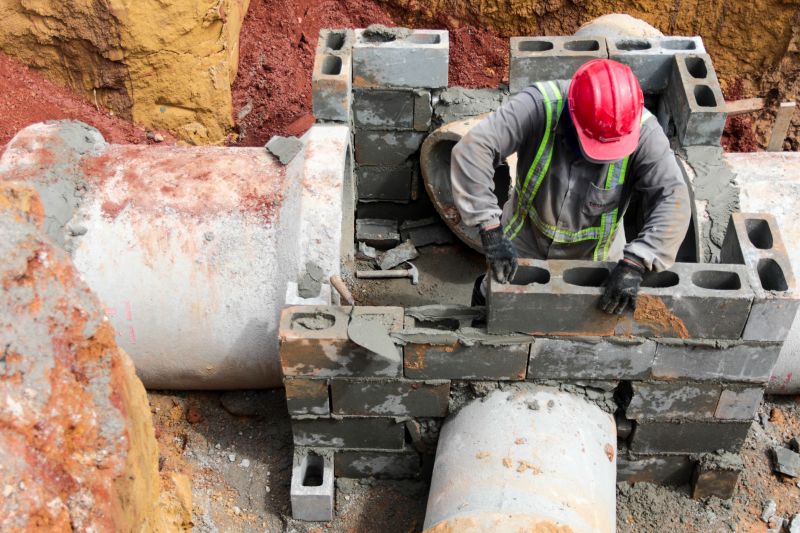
622	286
500	254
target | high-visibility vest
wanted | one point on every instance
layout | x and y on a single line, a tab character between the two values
527	188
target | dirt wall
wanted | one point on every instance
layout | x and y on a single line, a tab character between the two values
166	65
746	39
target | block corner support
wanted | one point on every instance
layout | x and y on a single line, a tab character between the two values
651	58
754	240
695	100
716	474
312	486
401	58
331	80
543	58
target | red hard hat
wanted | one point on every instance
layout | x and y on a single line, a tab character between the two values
606	102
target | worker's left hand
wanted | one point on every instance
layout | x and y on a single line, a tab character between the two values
622	286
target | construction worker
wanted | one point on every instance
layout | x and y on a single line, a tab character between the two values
584	146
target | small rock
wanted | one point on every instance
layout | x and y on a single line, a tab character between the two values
768	510
763	418
157	137
236	510
366	252
785	461
267	489
231	457
217	446
776	522
794	525
794	444
245	463
193	415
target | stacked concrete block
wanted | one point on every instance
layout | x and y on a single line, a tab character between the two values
716	475
673	401
651	58
753	239
394	72
550	58
401	58
628	358
390	398
688	437
312	489
673	470
331	81
560	298
694	101
711	360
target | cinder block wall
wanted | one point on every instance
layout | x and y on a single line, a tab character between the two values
684	375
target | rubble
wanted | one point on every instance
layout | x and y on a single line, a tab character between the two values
785	461
397	255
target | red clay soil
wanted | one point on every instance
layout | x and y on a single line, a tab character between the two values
27	97
272	92
740	133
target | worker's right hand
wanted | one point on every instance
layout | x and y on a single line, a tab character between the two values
500	253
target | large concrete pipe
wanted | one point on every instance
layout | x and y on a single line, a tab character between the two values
193	251
770	183
527	458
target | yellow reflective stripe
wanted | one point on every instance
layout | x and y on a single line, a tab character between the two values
563	236
517	222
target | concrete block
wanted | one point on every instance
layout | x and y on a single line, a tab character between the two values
413	59
381	465
386	147
423	110
315	341
663	400
688	437
425	232
673	470
591	358
312	488
560	298
307	396
716	475
372	433
391	184
377	232
465	353
695	100
383	110
550	58
331	80
749	362
651	58
739	403
754	240
389	398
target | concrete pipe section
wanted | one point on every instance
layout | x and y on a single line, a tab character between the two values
526	458
193	250
435	165
770	183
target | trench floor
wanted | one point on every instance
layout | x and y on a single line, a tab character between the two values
236	448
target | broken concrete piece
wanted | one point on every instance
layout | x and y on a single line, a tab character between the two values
794	444
377	232
366	252
794	525
311	282
425	232
397	255
768	510
284	148
786	461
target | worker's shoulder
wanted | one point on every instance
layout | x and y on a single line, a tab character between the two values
547	90
651	131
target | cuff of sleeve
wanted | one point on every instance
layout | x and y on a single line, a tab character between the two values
492	222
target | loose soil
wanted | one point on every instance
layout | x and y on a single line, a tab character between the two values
27	97
240	466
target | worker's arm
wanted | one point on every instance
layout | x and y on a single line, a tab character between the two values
483	149
666	199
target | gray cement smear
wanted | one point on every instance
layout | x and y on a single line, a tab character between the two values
59	182
721	460
458	103
714	186
310	284
378	33
284	148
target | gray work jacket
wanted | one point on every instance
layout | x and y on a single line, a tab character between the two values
574	193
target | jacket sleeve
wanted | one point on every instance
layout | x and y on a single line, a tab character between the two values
476	156
666	200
